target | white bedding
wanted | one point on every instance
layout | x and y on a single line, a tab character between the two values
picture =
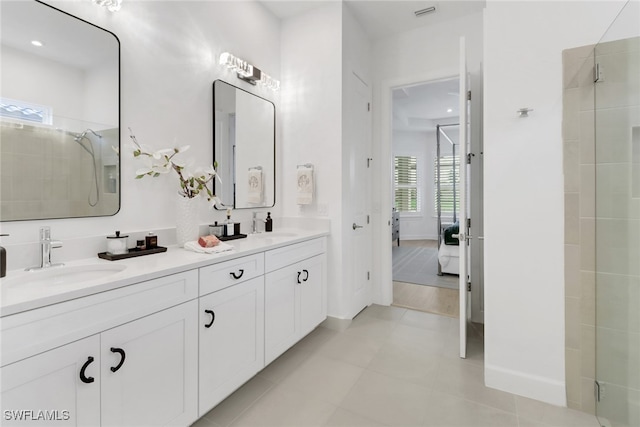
449	258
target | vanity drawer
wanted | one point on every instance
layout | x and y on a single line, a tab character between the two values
222	275
31	332
287	255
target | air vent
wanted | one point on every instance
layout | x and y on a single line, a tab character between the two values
424	11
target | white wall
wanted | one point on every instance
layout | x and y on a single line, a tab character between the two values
311	46
523	179
61	87
169	55
419	55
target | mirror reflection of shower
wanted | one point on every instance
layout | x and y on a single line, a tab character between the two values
88	147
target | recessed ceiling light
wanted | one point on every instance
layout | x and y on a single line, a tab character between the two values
449	110
37	43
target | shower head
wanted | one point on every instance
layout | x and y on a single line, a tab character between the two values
79	137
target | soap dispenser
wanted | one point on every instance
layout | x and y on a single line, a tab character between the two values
229	226
268	225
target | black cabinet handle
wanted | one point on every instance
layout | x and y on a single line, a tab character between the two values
306	277
237	276
122	356
213	317
299	273
84	378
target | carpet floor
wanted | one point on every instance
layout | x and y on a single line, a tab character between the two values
419	265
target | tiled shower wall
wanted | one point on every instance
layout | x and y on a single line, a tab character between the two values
610	244
45	174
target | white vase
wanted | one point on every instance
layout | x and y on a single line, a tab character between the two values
187	227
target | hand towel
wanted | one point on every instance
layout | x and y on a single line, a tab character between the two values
254	190
194	246
305	186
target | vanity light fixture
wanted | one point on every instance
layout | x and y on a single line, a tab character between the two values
111	5
248	72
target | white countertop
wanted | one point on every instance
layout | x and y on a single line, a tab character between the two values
18	294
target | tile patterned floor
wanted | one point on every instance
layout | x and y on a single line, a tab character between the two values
390	367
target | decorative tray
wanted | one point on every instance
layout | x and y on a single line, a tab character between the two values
133	252
234	237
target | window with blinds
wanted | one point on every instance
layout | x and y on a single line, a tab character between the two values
449	175
406	184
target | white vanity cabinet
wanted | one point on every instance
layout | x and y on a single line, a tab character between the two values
51	382
165	351
149	370
231	340
295	294
134	364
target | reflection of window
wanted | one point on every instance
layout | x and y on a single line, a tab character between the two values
406	184
449	180
25	111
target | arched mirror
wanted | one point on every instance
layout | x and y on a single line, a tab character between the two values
59	115
244	147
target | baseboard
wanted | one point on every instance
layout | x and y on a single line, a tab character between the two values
531	386
336	324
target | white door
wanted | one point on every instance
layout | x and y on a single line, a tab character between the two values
149	369
64	383
464	201
231	340
359	198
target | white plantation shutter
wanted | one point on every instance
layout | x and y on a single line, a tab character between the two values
448	165
407	194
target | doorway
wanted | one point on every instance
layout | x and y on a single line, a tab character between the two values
424	194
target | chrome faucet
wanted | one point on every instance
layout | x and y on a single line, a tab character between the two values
255	221
46	244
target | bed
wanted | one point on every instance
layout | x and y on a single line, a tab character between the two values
449	250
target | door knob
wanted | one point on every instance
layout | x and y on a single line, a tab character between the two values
356	226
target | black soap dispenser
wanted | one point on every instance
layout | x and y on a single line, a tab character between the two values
268	225
3	260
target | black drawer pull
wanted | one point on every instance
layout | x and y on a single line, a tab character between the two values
84	378
237	276
213	318
299	273
306	277
122	356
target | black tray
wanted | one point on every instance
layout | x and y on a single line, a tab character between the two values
133	252
234	237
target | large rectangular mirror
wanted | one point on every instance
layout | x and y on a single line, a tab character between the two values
244	147
59	115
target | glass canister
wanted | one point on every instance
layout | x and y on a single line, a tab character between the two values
117	244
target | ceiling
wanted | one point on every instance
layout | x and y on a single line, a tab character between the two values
416	108
422	107
384	18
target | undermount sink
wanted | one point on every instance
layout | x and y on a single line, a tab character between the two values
275	234
61	276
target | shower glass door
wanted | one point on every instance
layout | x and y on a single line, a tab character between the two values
617	220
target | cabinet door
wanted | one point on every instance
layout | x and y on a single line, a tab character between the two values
281	310
231	340
149	369
47	389
313	294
